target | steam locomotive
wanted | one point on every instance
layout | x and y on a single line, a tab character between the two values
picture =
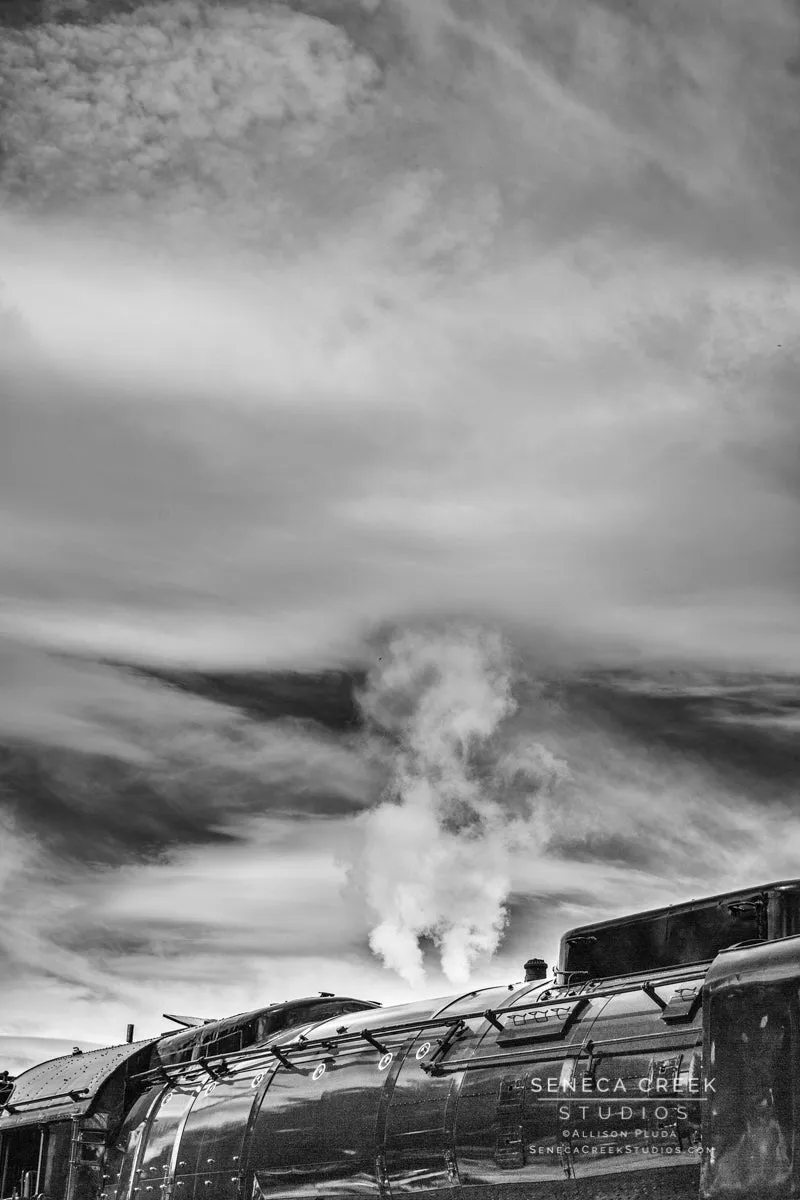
657	1062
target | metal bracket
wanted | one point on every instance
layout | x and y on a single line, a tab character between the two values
212	1072
373	1041
446	1042
653	995
284	1060
491	1016
591	1066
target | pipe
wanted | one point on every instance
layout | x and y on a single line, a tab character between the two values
5	1166
42	1136
129	1034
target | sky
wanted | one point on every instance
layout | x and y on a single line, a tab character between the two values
399	490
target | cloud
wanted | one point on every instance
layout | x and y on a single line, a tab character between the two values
570	789
339	326
18	1054
451	374
26	942
227	901
108	766
726	724
325	697
623	513
216	929
460	732
179	102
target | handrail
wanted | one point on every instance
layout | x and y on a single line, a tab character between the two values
531	1054
585	988
173	1072
331	1042
334	1041
75	1095
575	1050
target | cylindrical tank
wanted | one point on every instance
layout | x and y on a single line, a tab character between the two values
534	1088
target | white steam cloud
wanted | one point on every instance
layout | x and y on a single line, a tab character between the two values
435	858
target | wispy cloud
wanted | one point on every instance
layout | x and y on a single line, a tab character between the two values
343	320
104	765
588	425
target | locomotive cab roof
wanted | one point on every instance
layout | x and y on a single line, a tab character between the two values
679	934
73	1085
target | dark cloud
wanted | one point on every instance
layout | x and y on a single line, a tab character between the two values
634	851
738	728
18	14
326	698
103	810
99	810
103	764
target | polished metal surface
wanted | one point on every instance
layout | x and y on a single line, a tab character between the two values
592	1089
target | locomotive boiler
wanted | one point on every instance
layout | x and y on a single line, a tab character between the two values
659	1061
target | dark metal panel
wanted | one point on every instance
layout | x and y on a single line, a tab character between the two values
752	1046
546	1023
189	1146
56	1158
767	963
632	1098
419	1151
314	1133
209	1154
507	1118
507	1126
782	891
125	1152
154	1168
641	1184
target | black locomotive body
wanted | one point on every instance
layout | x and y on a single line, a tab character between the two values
660	1061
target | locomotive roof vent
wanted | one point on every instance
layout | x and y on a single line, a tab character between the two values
188	1022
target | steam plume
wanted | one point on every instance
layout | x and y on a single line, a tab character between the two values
462	793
